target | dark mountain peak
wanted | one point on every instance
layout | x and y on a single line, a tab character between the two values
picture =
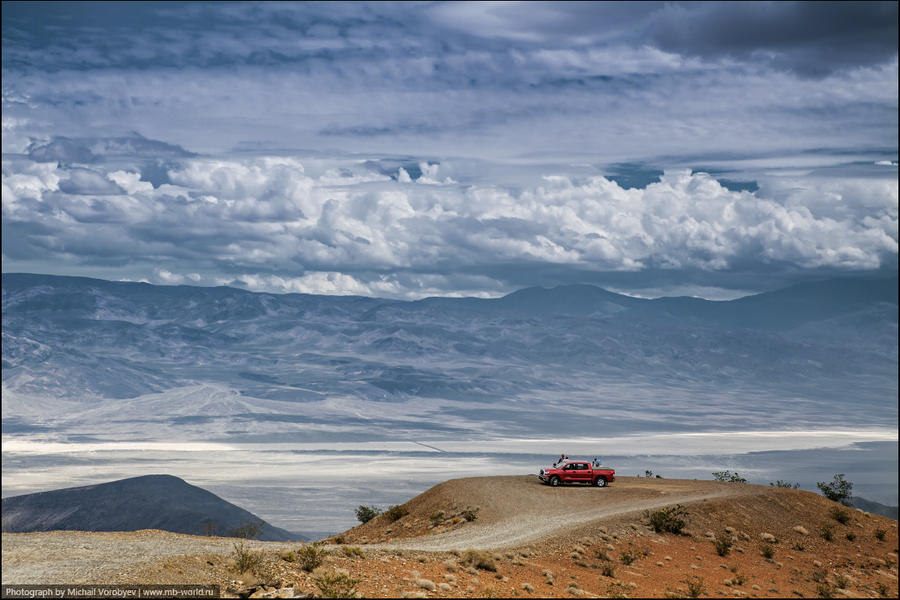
578	299
147	502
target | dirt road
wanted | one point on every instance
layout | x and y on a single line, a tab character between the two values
512	511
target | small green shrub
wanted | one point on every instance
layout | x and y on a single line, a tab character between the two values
470	514
785	484
838	490
723	543
767	550
396	513
667	520
827	532
479	559
437	518
311	556
337	584
728	476
288	556
841	515
366	513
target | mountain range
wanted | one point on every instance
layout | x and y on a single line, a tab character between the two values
456	365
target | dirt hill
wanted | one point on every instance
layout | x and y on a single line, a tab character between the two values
512	536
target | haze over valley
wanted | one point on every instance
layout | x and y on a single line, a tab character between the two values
356	394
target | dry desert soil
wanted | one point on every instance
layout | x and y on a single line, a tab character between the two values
514	537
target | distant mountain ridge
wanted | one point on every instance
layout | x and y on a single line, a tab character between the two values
147	502
801	302
463	360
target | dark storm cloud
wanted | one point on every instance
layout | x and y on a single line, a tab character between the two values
812	38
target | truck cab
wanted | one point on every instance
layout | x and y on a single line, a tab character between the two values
577	471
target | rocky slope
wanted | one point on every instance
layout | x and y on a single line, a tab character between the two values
524	540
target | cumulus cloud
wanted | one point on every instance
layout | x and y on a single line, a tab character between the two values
265	223
383	149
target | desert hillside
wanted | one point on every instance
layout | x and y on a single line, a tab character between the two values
512	536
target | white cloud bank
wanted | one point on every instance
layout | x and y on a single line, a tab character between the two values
269	224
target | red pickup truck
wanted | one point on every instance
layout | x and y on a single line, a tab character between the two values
576	471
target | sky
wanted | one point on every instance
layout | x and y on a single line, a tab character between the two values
418	149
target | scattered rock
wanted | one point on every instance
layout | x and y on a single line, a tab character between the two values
768	537
801	529
528	587
444	587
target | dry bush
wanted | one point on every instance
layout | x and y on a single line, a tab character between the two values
631	554
723	543
767	550
337	584
608	570
246	559
311	556
667	520
352	551
879	534
479	559
695	586
396	513
841	515
841	581
827	533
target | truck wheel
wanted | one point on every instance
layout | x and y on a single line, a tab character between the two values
554	481
601	482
